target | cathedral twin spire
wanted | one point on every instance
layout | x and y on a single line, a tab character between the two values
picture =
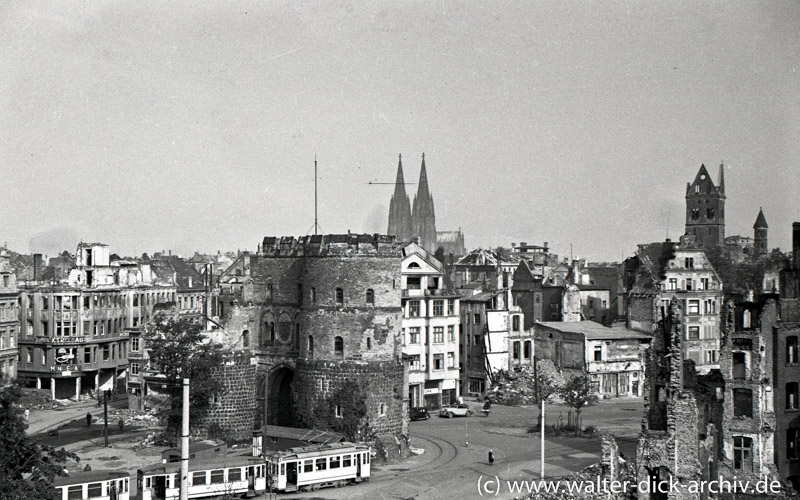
407	223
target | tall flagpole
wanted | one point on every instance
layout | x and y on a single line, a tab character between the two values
315	194
541	430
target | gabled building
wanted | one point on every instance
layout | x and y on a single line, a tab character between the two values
430	330
663	271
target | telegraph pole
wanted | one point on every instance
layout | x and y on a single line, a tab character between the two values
185	443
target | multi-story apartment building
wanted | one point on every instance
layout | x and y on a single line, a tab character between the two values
430	330
662	271
74	334
9	320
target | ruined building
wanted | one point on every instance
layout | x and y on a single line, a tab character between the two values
322	316
678	441
705	209
663	271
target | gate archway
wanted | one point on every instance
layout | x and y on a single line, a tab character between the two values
280	406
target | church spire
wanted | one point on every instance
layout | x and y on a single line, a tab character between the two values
721	183
400	207
423	213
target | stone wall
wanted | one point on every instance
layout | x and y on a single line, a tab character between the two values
380	380
233	410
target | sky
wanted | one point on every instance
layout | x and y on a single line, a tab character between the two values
194	125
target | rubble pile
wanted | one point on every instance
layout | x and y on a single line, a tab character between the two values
134	418
37	399
518	385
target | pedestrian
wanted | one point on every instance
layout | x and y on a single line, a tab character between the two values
491	458
89	419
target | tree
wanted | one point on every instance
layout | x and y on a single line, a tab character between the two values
178	349
578	394
27	467
344	411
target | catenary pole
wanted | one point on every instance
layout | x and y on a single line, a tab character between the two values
185	443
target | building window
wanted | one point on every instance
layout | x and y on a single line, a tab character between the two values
791	396
339	296
477	318
413	283
791	350
338	414
743	403
370	296
451	360
515	322
382	410
106	352
742	453
413	308
29	354
672	284
438	308
438	361
693	333
689	263
87	355
246	338
451	307
369	342
413	335
313	295
526	353
438	335
553	311
598	353
451	333
413	362
338	347
739	366
710	307
793	443
693	305
311	345
705	284
134	368
515	350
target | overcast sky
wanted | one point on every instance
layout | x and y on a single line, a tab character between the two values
194	126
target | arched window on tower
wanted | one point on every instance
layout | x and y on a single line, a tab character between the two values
339	296
246	338
338	347
370	296
310	346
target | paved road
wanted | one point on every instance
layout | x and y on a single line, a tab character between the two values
451	469
44	420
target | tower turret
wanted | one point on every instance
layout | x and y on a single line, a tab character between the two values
760	246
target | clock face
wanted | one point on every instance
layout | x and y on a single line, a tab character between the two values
703	177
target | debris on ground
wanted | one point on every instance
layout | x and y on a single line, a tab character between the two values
518	385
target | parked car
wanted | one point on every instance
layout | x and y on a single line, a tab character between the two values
459	410
418	414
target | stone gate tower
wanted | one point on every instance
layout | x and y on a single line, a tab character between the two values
705	209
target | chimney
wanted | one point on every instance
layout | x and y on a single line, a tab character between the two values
796	245
37	267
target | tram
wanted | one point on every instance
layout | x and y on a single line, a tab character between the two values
228	475
94	485
313	467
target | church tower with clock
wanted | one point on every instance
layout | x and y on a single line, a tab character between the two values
705	209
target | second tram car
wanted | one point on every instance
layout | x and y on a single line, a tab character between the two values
312	467
229	475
